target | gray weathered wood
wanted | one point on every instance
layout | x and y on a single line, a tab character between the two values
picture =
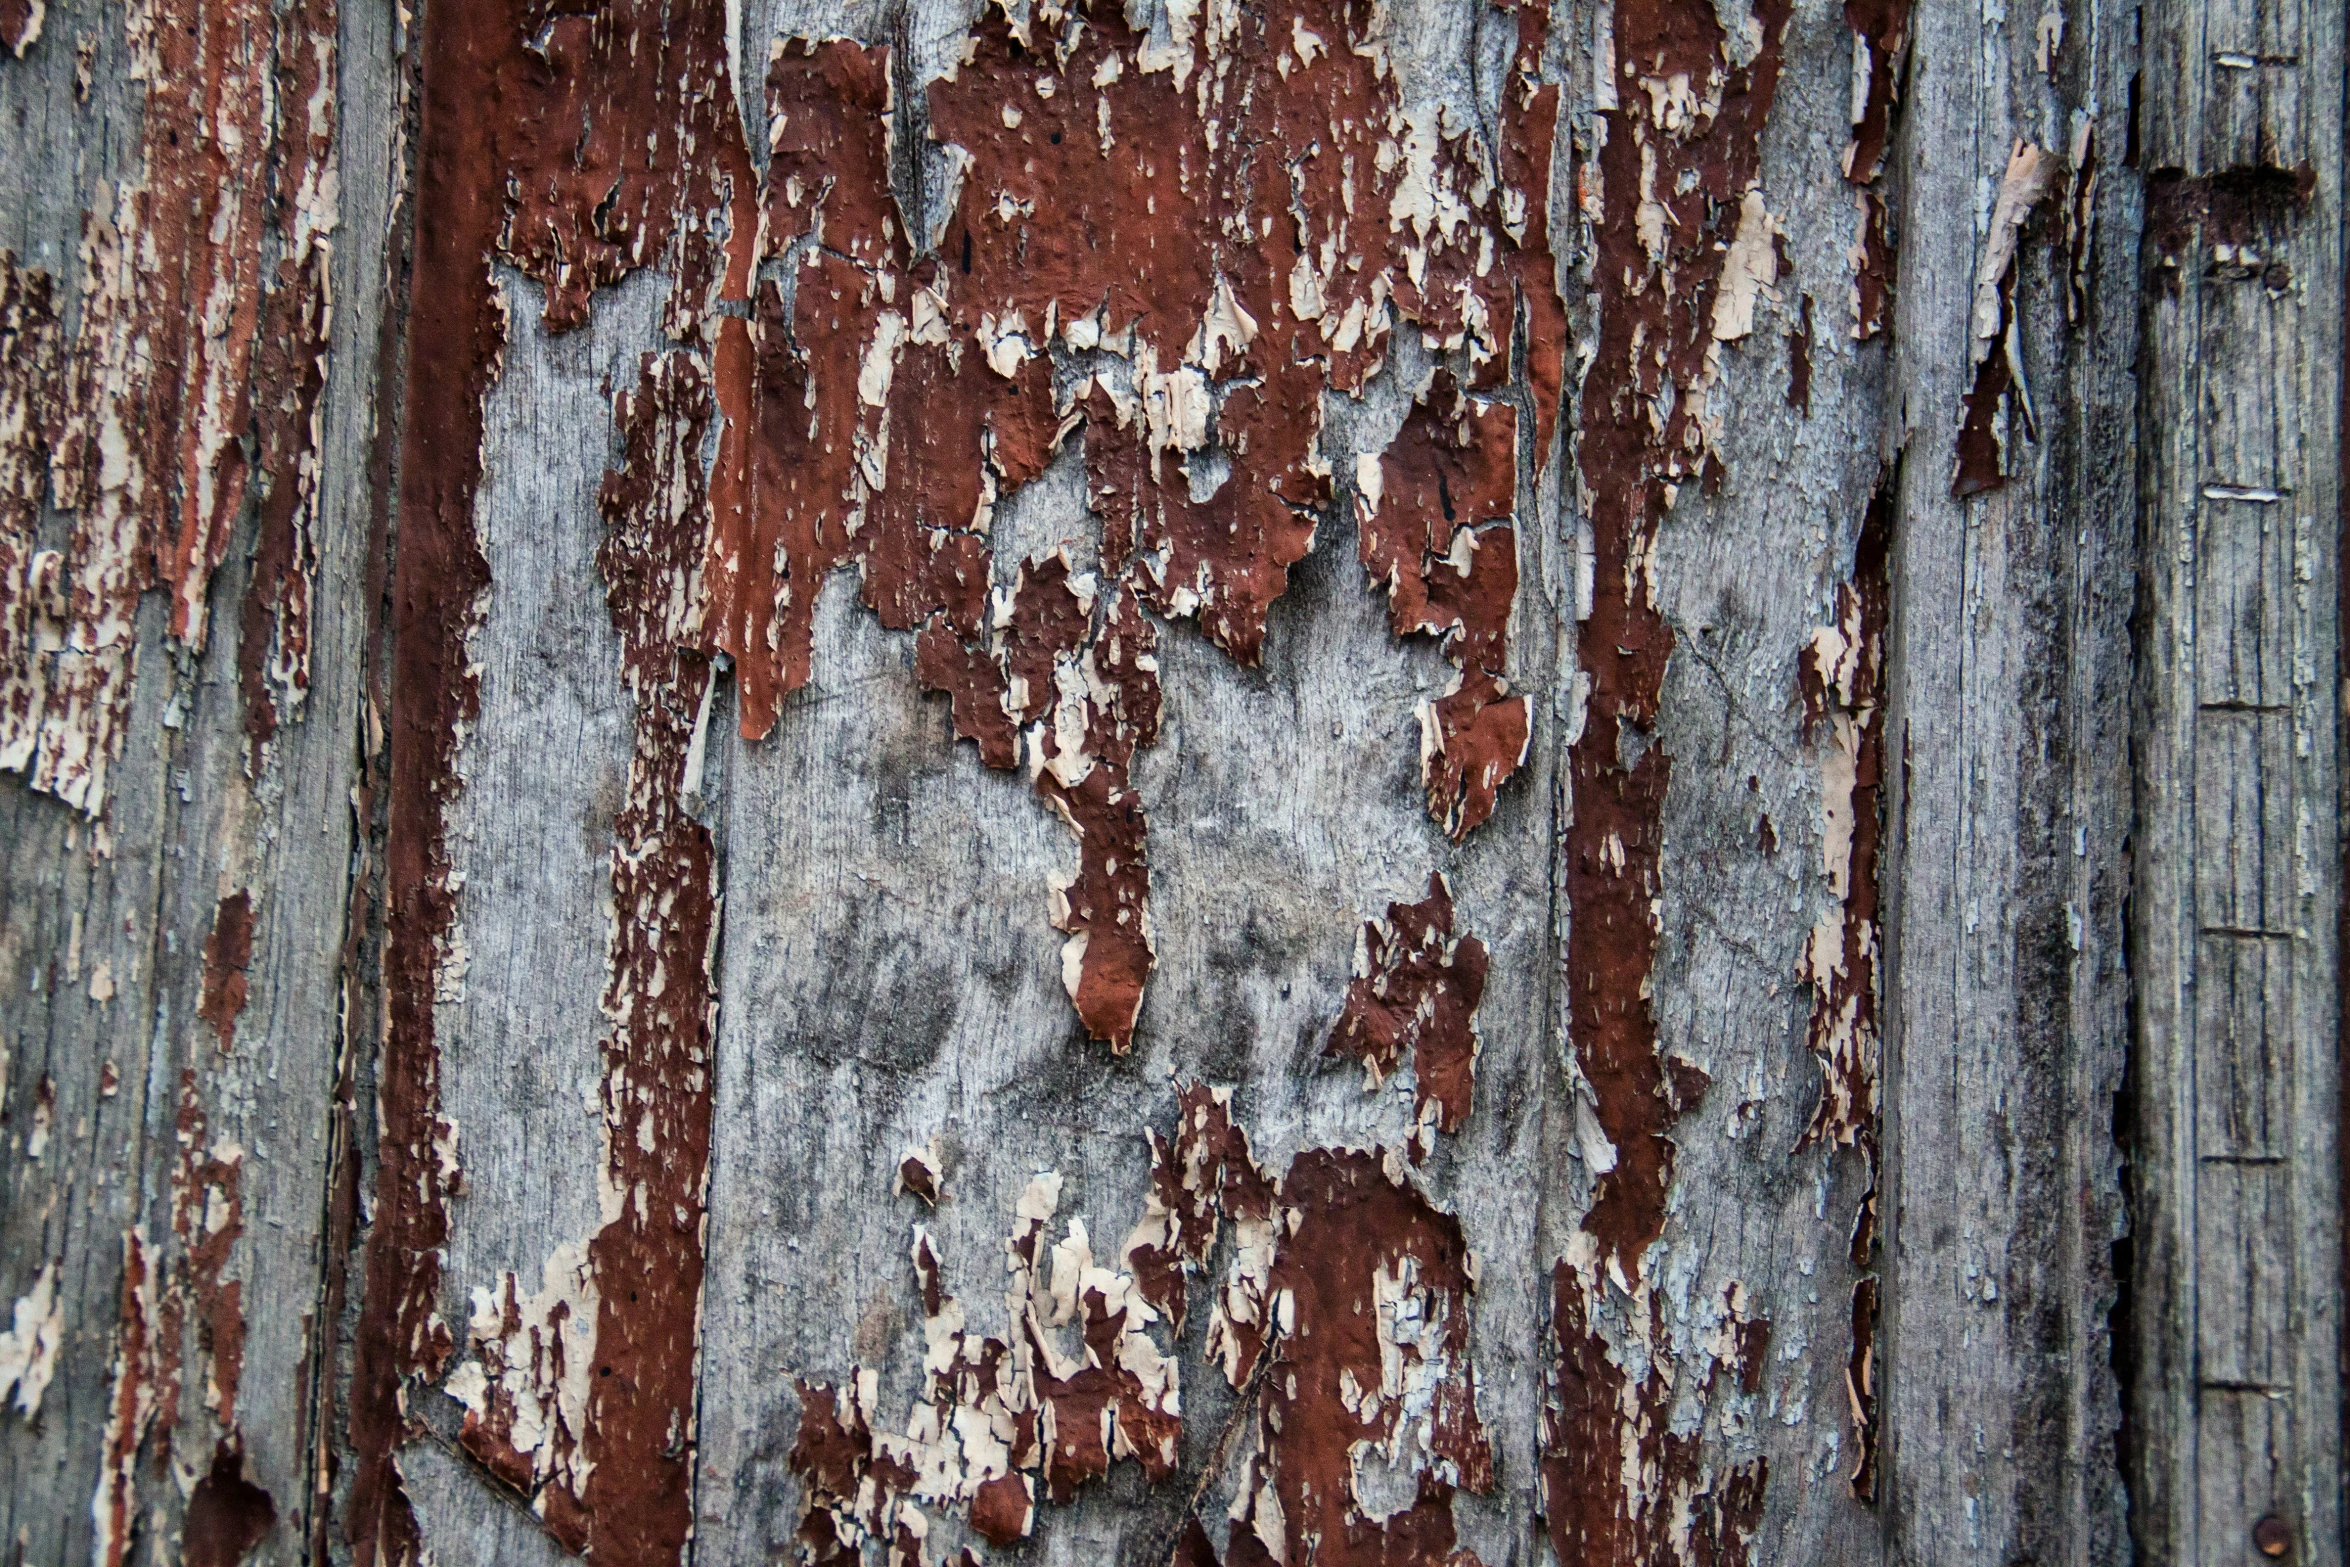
2238	1286
886	978
2006	992
105	923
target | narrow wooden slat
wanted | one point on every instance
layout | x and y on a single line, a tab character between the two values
2237	1301
2243	576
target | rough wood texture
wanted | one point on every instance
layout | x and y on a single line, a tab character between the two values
173	968
1352	781
2239	1385
2006	984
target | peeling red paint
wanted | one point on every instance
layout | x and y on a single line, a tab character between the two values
1435	515
1345	1317
227	1514
1112	221
1872	269
32	607
1370	1297
20	24
207	1220
147	438
228	952
1416	988
1881	28
1530	114
1206	1177
661	995
1672	196
1998	394
1881	31
2229	207
1840	677
1674	166
997	1425
455	333
146	423
1860	1387
919	1174
1619	1483
273	650
130	1408
872	415
614	140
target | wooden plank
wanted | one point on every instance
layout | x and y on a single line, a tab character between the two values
2241	84
173	978
2005	993
2237	1286
2247	1441
2244	1276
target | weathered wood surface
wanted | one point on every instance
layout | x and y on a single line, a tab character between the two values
657	1056
2239	1192
160	1105
2007	990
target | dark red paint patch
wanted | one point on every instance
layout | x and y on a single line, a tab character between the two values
659	1069
577	147
1205	1177
1882	27
1650	342
1440	542
1369	1278
1989	403
227	1514
1799	364
228	952
1416	989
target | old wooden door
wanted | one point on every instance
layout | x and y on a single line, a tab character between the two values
1279	781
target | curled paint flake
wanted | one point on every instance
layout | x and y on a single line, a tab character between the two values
921	1172
28	1349
525	1391
1998	392
20	24
996	1424
130	1407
